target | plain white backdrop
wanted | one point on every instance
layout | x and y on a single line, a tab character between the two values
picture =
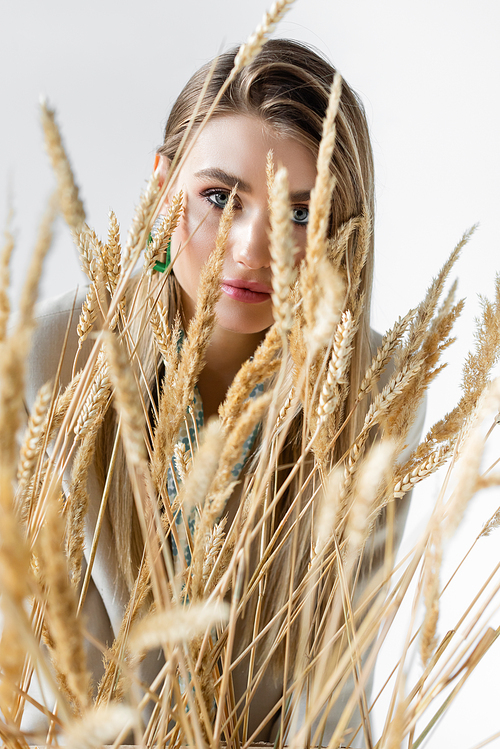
428	74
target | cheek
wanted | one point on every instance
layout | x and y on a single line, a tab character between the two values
299	256
194	242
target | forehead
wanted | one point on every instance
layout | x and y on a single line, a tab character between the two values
239	144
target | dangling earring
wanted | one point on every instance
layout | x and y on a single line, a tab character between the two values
162	267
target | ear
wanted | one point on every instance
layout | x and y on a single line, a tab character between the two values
161	167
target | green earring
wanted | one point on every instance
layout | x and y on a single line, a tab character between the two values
159	266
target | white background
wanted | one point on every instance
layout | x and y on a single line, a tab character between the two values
428	74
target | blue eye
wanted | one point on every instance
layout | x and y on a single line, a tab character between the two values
218	198
301	215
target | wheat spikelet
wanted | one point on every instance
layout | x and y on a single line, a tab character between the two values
215	542
202	324
159	325
425	310
355	300
312	281
68	193
319	215
395	734
65	627
467	473
14	584
176	626
27	495
14	349
141	220
248	51
394	388
329	510
163	232
478	365
30	446
270	169
77	506
285	408
203	468
337	245
223	484
428	638
89	421
98	272
375	415
112	253
115	679
157	245
126	399
63	403
254	371
95	400
337	366
370	476
99	726
494	522
5	255
384	353
88	315
173	404
475	377
181	460
325	295
435	341
405	483
85	247
282	249
30	288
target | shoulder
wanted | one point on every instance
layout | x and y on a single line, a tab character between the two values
55	340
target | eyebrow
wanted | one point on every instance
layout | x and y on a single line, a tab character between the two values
230	180
227	179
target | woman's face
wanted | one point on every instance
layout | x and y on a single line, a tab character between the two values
233	149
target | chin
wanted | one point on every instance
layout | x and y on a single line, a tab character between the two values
244	323
244	319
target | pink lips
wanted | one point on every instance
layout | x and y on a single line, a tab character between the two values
246	291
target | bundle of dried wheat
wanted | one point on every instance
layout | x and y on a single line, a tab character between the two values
263	596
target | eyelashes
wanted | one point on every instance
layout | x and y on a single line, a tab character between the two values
219	199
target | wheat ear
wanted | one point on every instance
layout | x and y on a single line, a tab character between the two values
15	348
5	256
99	726
30	446
67	189
112	253
248	51
173	404
140	223
163	233
258	369
319	219
126	399
65	627
337	366
282	249
432	565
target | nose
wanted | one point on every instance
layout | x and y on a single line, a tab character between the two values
250	245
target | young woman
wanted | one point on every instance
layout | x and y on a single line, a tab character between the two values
276	104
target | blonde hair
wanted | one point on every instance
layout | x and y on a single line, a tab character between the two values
287	85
